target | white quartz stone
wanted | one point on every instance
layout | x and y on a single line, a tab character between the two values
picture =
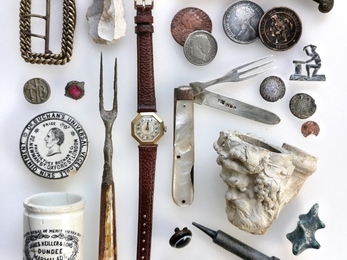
106	21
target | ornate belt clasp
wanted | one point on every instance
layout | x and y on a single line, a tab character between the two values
69	19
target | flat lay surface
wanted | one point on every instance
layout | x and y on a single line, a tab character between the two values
326	186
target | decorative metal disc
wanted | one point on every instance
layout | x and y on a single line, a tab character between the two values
200	48
36	91
272	88
241	20
280	28
53	145
302	105
187	21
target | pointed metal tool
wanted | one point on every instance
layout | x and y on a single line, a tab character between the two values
233	245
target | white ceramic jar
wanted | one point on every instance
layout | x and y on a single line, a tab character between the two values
53	226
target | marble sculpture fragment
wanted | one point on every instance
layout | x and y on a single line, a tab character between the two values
261	178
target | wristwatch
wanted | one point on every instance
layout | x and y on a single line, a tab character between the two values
147	128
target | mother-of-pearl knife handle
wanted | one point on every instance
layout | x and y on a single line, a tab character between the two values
183	156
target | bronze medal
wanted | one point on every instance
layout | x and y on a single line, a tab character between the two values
280	28
187	21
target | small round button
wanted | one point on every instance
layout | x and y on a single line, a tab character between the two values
180	238
36	91
272	88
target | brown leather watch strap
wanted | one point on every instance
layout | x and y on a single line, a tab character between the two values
145	85
147	161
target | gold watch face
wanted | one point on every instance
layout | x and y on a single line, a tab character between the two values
147	128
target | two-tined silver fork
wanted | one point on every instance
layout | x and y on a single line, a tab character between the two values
107	232
233	75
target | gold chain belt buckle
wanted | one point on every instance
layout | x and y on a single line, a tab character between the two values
69	22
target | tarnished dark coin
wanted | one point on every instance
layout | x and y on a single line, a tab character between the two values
241	20
200	48
302	105
187	21
280	28
272	88
36	91
53	145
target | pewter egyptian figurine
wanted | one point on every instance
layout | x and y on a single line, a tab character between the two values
106	21
262	178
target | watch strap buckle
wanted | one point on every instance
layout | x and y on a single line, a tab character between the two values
143	3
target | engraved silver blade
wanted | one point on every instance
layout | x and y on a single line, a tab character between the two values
236	107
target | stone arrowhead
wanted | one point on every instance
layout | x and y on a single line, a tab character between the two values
106	21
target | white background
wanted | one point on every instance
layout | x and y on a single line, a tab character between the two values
327	186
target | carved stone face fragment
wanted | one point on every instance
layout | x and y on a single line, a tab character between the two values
261	179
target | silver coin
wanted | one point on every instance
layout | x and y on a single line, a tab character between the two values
36	91
272	88
241	20
200	48
302	105
54	145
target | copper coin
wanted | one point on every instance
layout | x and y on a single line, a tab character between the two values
310	128
36	91
272	88
280	28
241	20
302	105
187	21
